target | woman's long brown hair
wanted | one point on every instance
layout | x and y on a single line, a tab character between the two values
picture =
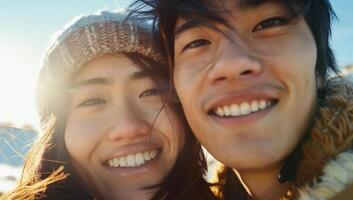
47	173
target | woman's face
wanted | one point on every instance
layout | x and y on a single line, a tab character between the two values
118	135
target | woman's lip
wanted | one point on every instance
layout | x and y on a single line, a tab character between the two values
134	171
126	157
131	149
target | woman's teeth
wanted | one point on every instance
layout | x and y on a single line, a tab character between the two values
241	109
133	160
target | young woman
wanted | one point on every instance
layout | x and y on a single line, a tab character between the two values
107	132
253	78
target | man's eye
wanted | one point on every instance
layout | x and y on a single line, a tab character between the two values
270	23
196	43
150	92
91	102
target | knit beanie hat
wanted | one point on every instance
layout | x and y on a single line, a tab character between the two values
88	37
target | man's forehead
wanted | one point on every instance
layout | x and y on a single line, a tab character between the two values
240	3
221	7
217	13
231	4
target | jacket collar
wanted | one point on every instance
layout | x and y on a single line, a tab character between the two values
331	134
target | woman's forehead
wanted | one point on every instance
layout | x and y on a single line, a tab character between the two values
107	67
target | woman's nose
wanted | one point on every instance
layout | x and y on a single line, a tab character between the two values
129	127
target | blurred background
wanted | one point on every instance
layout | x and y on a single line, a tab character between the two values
25	30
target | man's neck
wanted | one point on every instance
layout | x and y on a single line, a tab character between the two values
263	184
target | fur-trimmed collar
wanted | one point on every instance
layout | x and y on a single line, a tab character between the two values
327	164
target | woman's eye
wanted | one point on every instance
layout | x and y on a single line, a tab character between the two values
270	23
91	102
150	92
196	43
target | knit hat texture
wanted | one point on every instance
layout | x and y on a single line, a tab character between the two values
86	38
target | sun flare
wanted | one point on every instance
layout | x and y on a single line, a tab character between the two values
17	84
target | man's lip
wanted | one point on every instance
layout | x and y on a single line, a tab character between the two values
240	96
241	121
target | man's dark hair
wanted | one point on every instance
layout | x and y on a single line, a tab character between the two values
318	15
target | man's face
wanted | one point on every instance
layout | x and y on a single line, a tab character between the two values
248	92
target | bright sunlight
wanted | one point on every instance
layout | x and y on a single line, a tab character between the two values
17	82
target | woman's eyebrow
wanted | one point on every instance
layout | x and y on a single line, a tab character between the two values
105	81
141	74
90	82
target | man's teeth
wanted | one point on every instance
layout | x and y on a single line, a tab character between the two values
244	108
133	160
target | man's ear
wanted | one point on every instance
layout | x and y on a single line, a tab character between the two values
320	82
321	89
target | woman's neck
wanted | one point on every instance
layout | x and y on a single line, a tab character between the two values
130	193
263	184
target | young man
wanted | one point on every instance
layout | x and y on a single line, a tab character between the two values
253	79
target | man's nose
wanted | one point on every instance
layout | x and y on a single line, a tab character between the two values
234	61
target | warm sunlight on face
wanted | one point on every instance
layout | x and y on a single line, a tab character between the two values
18	71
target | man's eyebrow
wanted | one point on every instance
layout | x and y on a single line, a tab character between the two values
249	4
189	24
90	82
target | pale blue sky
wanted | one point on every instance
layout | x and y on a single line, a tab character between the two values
26	27
343	31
